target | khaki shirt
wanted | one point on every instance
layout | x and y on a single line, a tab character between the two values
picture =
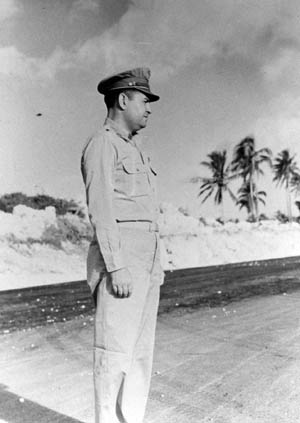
120	186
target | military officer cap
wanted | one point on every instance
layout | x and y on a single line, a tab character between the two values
135	79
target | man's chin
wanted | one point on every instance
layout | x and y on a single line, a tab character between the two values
143	124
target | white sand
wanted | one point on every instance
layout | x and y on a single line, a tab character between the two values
185	241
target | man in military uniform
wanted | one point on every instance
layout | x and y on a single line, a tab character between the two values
123	265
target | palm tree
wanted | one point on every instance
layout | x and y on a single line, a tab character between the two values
286	173
247	200
295	187
247	163
220	179
295	183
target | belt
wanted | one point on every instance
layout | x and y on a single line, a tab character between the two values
143	225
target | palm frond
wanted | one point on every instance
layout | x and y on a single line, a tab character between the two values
207	196
221	176
232	196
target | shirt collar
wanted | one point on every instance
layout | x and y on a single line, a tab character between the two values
118	130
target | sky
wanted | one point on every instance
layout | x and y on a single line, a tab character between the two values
224	69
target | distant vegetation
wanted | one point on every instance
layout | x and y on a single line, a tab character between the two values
73	230
39	202
246	166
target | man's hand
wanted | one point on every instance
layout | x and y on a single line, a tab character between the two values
122	282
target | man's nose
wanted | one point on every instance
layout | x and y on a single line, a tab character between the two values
148	108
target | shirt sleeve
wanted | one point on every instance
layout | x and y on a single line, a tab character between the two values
97	165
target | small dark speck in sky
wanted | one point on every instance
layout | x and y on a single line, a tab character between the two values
39	114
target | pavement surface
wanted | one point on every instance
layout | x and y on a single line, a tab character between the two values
233	363
195	287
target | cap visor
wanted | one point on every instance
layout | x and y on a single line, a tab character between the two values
152	97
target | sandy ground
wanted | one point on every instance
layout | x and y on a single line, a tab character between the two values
33	265
26	260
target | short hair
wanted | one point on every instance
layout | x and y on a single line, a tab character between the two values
111	98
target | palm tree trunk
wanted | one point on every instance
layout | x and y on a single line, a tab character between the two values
288	201
221	205
252	207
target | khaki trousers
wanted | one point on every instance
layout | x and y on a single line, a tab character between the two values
125	331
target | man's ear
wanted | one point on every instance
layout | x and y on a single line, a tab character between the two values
122	101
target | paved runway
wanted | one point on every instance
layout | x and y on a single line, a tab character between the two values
215	361
203	286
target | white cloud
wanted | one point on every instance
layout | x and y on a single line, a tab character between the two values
284	69
88	5
275	68
82	6
13	63
279	127
8	9
59	60
172	34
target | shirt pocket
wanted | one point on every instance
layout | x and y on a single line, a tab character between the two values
131	179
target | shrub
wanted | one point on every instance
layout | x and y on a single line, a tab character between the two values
39	202
202	220
262	216
233	220
281	217
67	230
184	211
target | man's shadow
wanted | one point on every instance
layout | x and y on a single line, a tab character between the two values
12	410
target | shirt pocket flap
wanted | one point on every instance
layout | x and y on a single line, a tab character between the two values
131	167
153	171
151	167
